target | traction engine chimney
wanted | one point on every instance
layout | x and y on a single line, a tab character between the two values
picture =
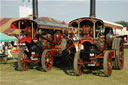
92	8
35	9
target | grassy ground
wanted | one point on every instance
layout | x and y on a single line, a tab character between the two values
58	76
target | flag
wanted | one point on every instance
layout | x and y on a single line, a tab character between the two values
127	28
63	22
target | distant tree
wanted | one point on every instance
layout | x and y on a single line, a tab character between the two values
124	23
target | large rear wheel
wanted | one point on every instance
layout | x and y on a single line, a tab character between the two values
47	60
107	64
22	61
78	64
119	59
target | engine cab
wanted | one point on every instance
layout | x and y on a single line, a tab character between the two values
90	33
96	45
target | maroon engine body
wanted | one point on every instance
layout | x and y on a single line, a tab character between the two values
42	41
97	46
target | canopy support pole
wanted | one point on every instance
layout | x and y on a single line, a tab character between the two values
18	42
19	28
94	27
32	30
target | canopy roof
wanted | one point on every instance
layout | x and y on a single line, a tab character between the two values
47	21
111	24
6	38
5	26
42	22
22	22
51	22
106	23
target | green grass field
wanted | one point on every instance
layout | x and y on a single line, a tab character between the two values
58	76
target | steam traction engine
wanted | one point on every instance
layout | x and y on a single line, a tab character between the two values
97	46
45	39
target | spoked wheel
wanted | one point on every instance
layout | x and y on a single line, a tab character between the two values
47	60
119	59
78	64
22	61
107	64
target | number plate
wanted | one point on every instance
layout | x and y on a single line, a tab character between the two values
34	58
91	65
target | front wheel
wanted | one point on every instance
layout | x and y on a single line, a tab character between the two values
22	61
78	64
47	60
107	64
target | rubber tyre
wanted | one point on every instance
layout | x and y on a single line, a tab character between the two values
78	63
120	54
47	60
107	64
119	59
21	65
114	44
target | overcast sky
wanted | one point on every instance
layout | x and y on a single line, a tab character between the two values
67	10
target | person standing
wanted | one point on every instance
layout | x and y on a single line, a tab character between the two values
9	51
6	47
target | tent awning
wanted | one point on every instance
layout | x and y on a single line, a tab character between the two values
6	38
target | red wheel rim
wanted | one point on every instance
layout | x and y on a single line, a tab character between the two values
80	63
24	64
121	55
110	64
48	60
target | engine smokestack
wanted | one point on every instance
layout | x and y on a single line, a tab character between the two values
92	8
35	9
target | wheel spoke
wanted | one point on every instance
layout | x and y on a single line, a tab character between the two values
23	62
110	66
107	64
78	64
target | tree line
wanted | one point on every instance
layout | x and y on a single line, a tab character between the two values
124	23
